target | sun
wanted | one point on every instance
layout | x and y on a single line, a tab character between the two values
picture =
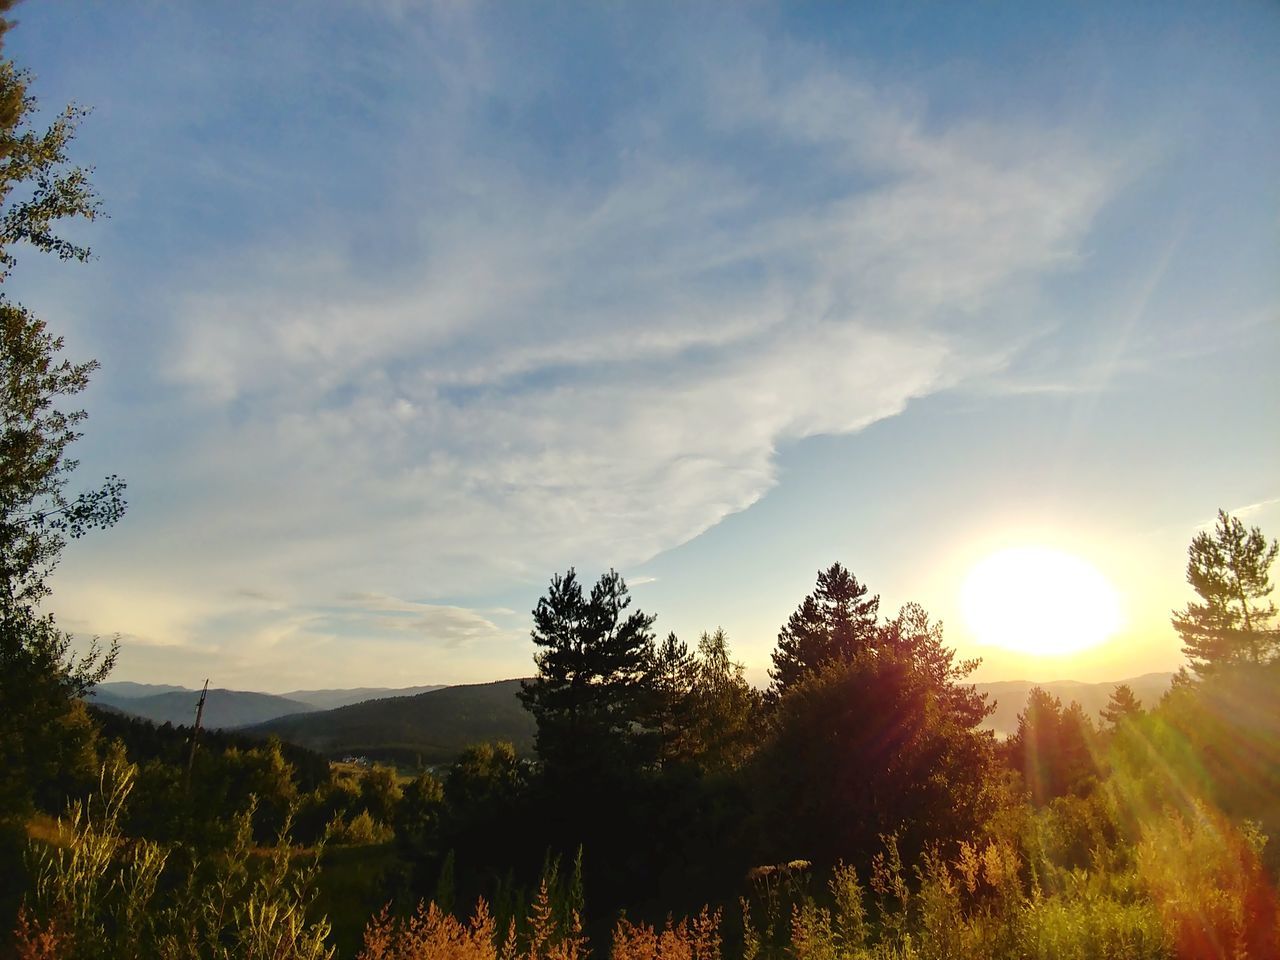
1039	600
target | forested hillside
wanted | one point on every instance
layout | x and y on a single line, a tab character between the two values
432	727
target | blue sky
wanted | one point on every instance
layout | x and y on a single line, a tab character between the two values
403	307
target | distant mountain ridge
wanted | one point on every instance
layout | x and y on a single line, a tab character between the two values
433	724
127	688
224	709
169	703
431	727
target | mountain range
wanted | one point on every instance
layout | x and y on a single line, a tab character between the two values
434	724
225	709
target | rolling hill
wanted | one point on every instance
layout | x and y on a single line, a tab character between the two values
127	688
432	727
224	708
331	699
435	725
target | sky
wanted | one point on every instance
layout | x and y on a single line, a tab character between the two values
404	307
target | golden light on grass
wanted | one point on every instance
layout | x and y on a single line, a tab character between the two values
1039	600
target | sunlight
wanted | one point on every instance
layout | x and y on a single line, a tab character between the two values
1039	600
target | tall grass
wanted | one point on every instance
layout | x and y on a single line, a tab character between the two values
101	895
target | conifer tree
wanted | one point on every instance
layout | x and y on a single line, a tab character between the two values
831	625
673	675
1122	707
594	662
1234	622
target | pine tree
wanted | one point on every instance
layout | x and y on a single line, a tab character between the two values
1234	624
672	675
1122	707
1052	747
594	662
831	625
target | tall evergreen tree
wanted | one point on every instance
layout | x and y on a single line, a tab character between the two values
1123	707
672	679
1052	747
831	625
1235	621
594	663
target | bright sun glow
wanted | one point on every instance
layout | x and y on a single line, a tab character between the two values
1039	600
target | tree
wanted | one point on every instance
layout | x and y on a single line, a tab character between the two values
725	707
40	678
594	675
1123	707
39	189
832	624
1234	623
1052	747
866	748
672	676
911	635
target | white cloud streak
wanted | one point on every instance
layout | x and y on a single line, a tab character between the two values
580	372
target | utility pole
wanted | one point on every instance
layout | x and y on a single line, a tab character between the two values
195	733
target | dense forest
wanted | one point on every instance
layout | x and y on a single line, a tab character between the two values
669	809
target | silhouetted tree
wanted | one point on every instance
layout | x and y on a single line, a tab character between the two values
1123	707
594	661
868	747
491	819
1228	569
669	712
831	625
912	635
1052	747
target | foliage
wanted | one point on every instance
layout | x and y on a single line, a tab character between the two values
697	938
869	747
671	678
360	830
1123	707
593	663
1053	748
705	712
1228	569
832	624
431	933
39	189
107	895
45	737
419	814
724	708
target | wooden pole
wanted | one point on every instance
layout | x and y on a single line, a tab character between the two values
195	732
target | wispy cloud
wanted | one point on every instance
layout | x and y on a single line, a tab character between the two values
589	365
